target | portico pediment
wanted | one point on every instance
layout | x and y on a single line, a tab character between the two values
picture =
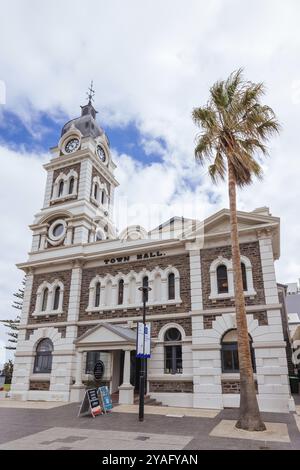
107	335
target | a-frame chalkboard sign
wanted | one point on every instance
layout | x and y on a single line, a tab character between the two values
90	403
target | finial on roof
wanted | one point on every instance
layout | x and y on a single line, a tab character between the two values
90	93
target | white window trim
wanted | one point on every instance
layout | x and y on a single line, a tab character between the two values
66	179
214	294
50	301
138	303
102	188
54	241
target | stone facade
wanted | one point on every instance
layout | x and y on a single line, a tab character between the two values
185	323
189	303
38	279
251	250
232	386
95	172
65	170
39	385
171	387
181	262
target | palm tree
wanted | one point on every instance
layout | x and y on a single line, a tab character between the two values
234	129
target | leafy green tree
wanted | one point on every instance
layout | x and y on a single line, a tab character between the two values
234	128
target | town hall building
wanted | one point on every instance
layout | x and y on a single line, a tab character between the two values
82	300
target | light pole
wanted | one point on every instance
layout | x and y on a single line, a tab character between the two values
145	290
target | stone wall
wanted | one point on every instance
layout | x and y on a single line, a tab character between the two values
39	385
181	262
95	172
186	324
176	386
232	386
251	251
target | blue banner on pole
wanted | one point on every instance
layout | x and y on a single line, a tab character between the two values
143	346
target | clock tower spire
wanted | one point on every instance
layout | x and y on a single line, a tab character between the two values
78	203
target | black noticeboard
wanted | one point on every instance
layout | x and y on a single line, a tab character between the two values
99	370
90	403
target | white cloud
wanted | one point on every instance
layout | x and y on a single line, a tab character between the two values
151	63
21	195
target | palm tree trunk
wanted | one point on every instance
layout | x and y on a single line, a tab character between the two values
249	415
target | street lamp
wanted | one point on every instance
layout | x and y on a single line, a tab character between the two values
145	290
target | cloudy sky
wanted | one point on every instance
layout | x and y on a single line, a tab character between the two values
151	62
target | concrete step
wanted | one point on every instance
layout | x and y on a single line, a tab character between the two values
147	401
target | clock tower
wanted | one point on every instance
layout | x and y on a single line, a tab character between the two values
79	195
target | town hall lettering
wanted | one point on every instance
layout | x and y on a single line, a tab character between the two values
140	256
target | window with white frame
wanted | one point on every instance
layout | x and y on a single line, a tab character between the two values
229	352
49	298
221	278
43	357
99	193
65	186
173	351
122	290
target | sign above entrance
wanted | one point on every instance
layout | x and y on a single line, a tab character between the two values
99	370
139	256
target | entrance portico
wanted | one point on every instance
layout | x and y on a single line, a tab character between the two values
113	340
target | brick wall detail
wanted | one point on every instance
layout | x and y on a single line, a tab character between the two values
39	385
65	170
232	386
65	278
251	251
171	387
181	262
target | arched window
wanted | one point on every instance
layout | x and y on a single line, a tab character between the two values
146	284
173	351
222	279
71	185
229	353
171	286
56	298
96	192
99	235
102	197
97	294
244	277
61	188
43	357
120	292
45	299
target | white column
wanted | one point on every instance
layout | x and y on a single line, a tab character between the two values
68	239
48	188
195	275
126	294
26	300
75	289
78	376
126	389
78	389
268	270
85	180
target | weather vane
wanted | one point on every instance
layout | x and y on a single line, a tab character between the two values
91	92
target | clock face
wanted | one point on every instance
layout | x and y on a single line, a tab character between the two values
101	153
72	145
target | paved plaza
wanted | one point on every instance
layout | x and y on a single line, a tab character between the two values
54	426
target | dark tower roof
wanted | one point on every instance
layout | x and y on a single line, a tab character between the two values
86	123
